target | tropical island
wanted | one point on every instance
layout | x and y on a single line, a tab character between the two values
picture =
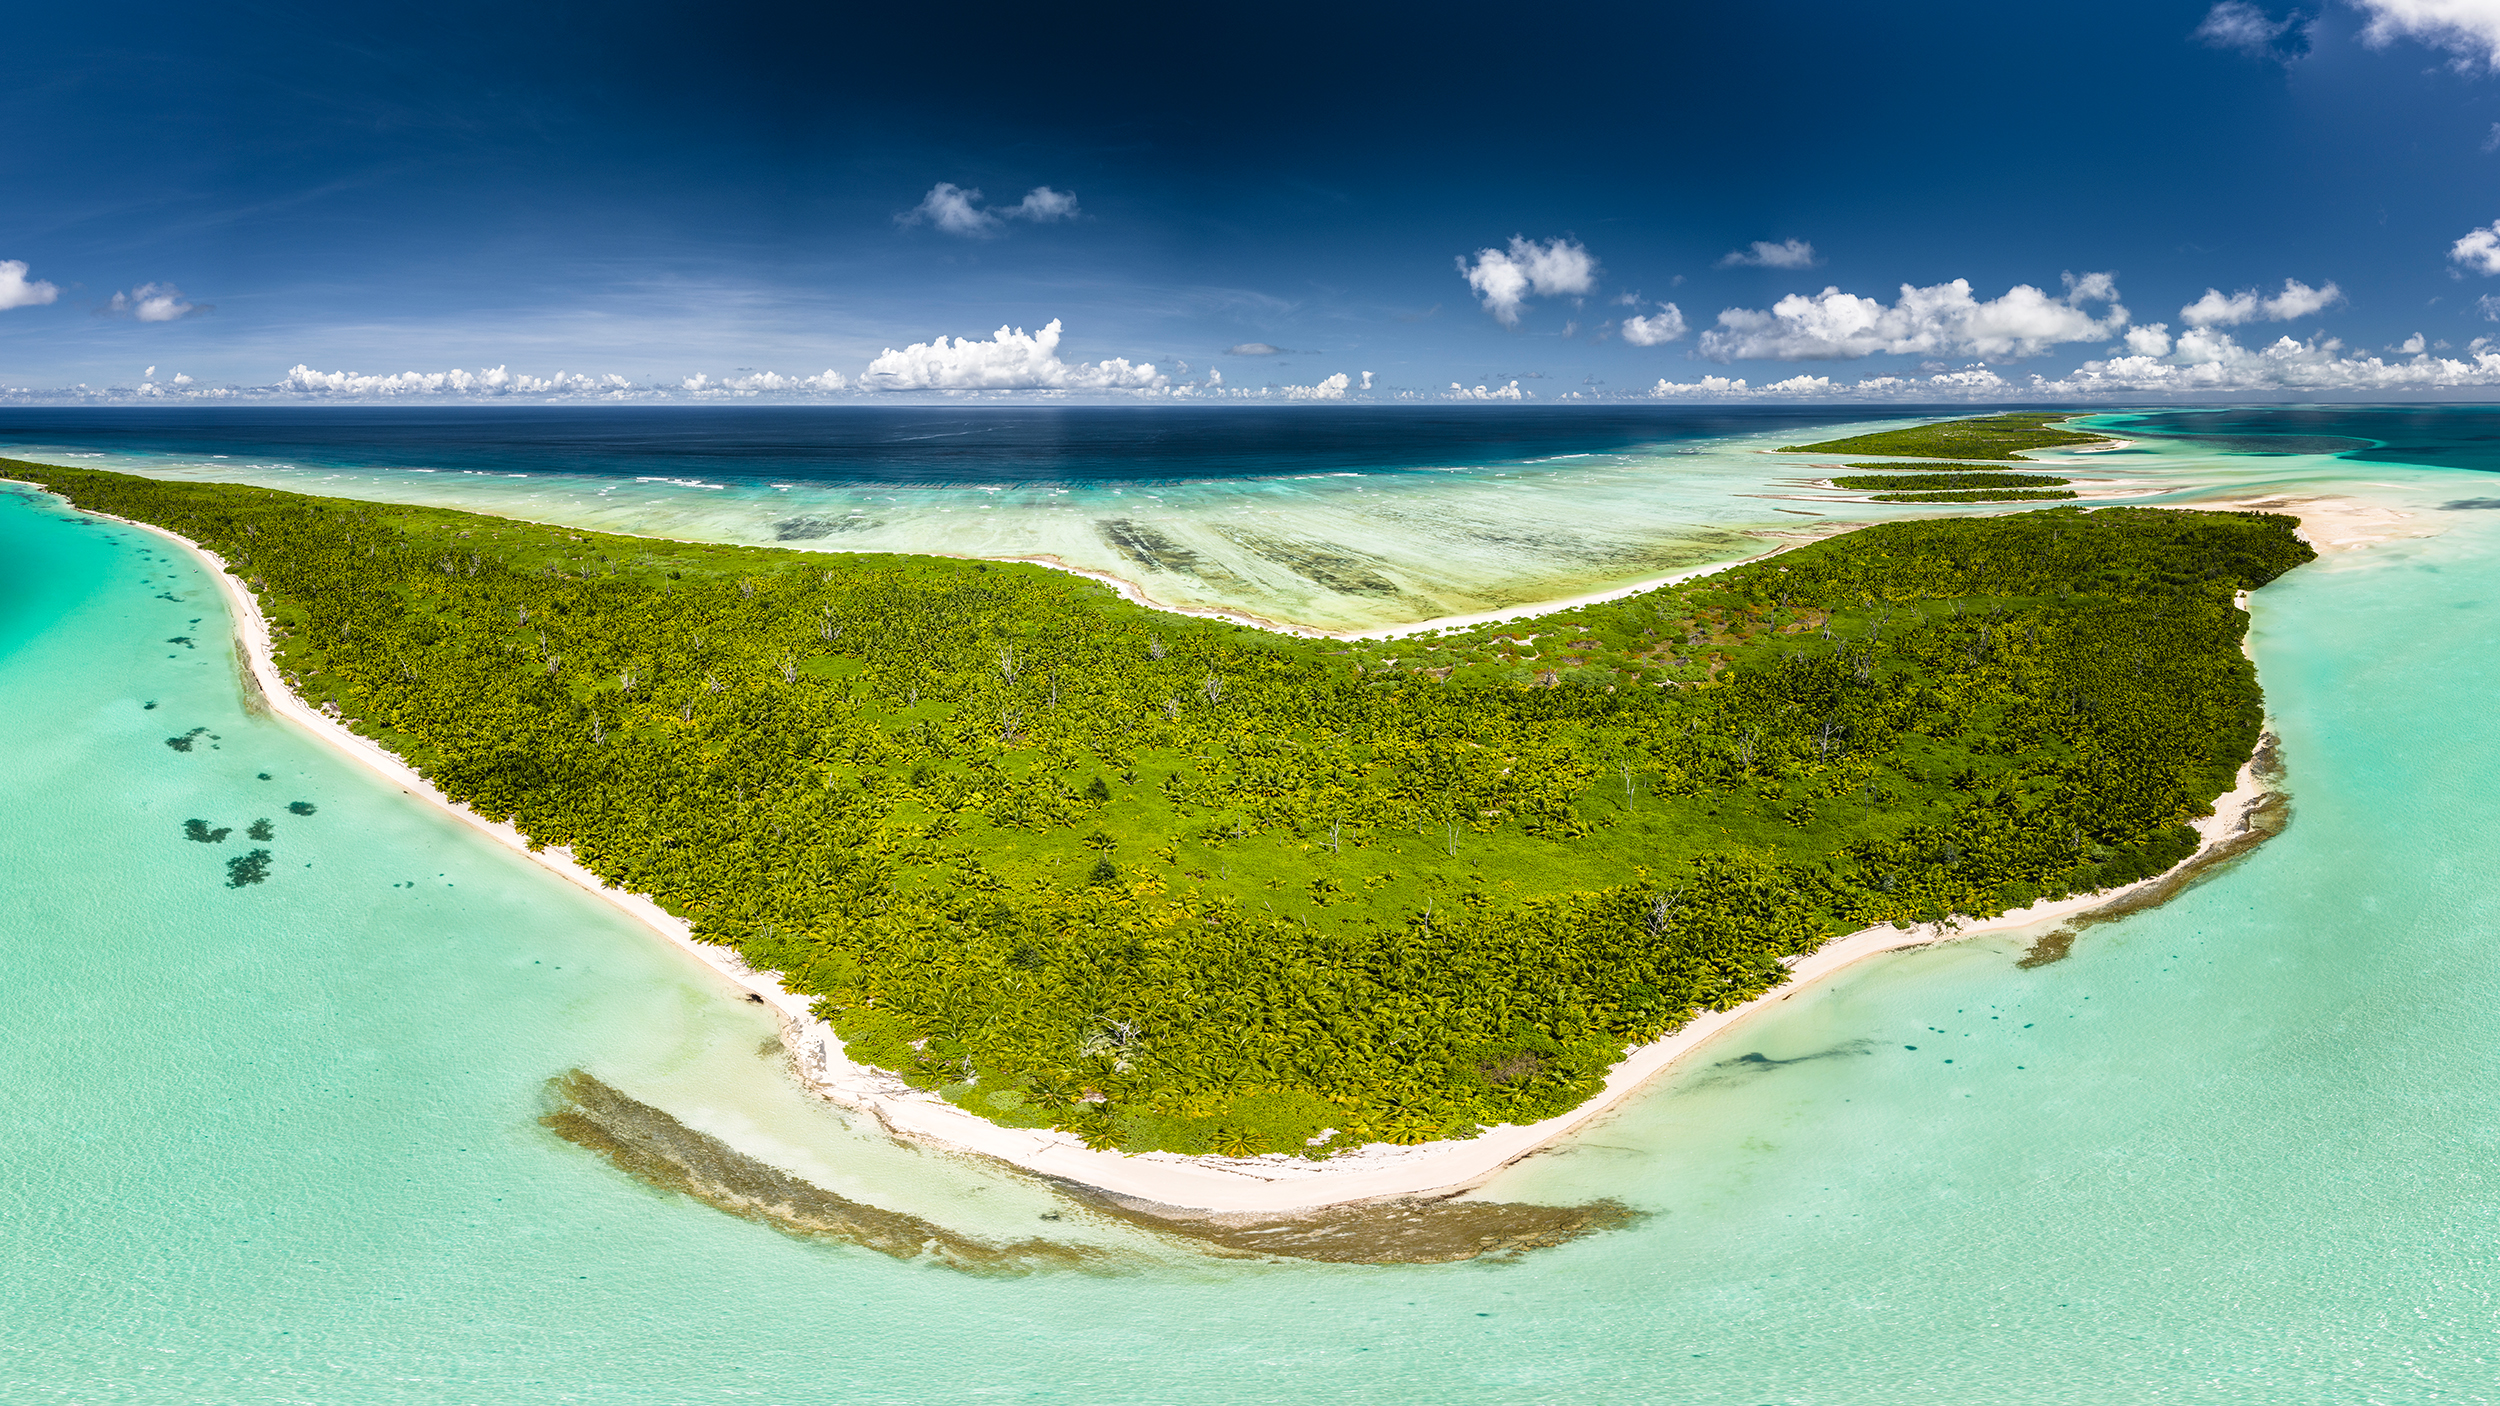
1177	884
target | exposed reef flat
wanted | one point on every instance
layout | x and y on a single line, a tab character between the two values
656	1148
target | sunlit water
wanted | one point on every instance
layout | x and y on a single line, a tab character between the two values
279	1143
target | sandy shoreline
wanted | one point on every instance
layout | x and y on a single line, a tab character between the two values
1268	1184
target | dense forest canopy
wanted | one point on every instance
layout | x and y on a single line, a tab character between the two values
1175	883
1988	437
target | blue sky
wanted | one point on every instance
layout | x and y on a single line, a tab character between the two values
644	197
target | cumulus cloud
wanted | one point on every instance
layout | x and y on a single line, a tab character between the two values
1332	388
1367	381
2206	362
1253	349
1665	325
764	383
19	291
955	209
2296	300
1042	206
1707	385
2243	28
2469	29
154	302
1787	254
493	381
1941	320
1505	280
1509	392
1009	360
2151	339
2479	250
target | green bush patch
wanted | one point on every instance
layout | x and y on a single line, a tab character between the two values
2003	495
1931	482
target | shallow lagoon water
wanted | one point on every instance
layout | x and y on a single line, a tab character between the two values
278	1143
1344	518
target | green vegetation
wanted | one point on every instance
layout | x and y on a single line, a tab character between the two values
1902	483
1989	437
1173	883
2002	495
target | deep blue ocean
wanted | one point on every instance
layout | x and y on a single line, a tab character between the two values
913	444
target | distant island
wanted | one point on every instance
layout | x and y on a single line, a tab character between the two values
1178	884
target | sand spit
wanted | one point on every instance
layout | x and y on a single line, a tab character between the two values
1169	1184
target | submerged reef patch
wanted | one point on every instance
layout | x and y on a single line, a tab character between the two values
809	529
246	869
1334	567
660	1151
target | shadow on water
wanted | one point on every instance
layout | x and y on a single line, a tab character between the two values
655	1148
1747	1066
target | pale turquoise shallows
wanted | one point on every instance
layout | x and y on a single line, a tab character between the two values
277	1143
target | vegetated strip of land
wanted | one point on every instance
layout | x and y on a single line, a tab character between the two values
1172	883
1988	437
1902	483
1985	495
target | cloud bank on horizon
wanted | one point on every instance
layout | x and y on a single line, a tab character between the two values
788	231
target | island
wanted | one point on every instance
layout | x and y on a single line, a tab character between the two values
1179	885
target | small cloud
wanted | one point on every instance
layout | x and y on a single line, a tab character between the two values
1504	280
1042	206
2414	345
148	375
2296	300
1629	300
1332	388
2479	250
154	302
1367	381
181	380
1665	325
19	291
1787	254
2491	142
1253	349
955	209
2489	306
2242	28
2151	339
2469	29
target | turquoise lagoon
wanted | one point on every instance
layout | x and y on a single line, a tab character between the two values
278	1143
